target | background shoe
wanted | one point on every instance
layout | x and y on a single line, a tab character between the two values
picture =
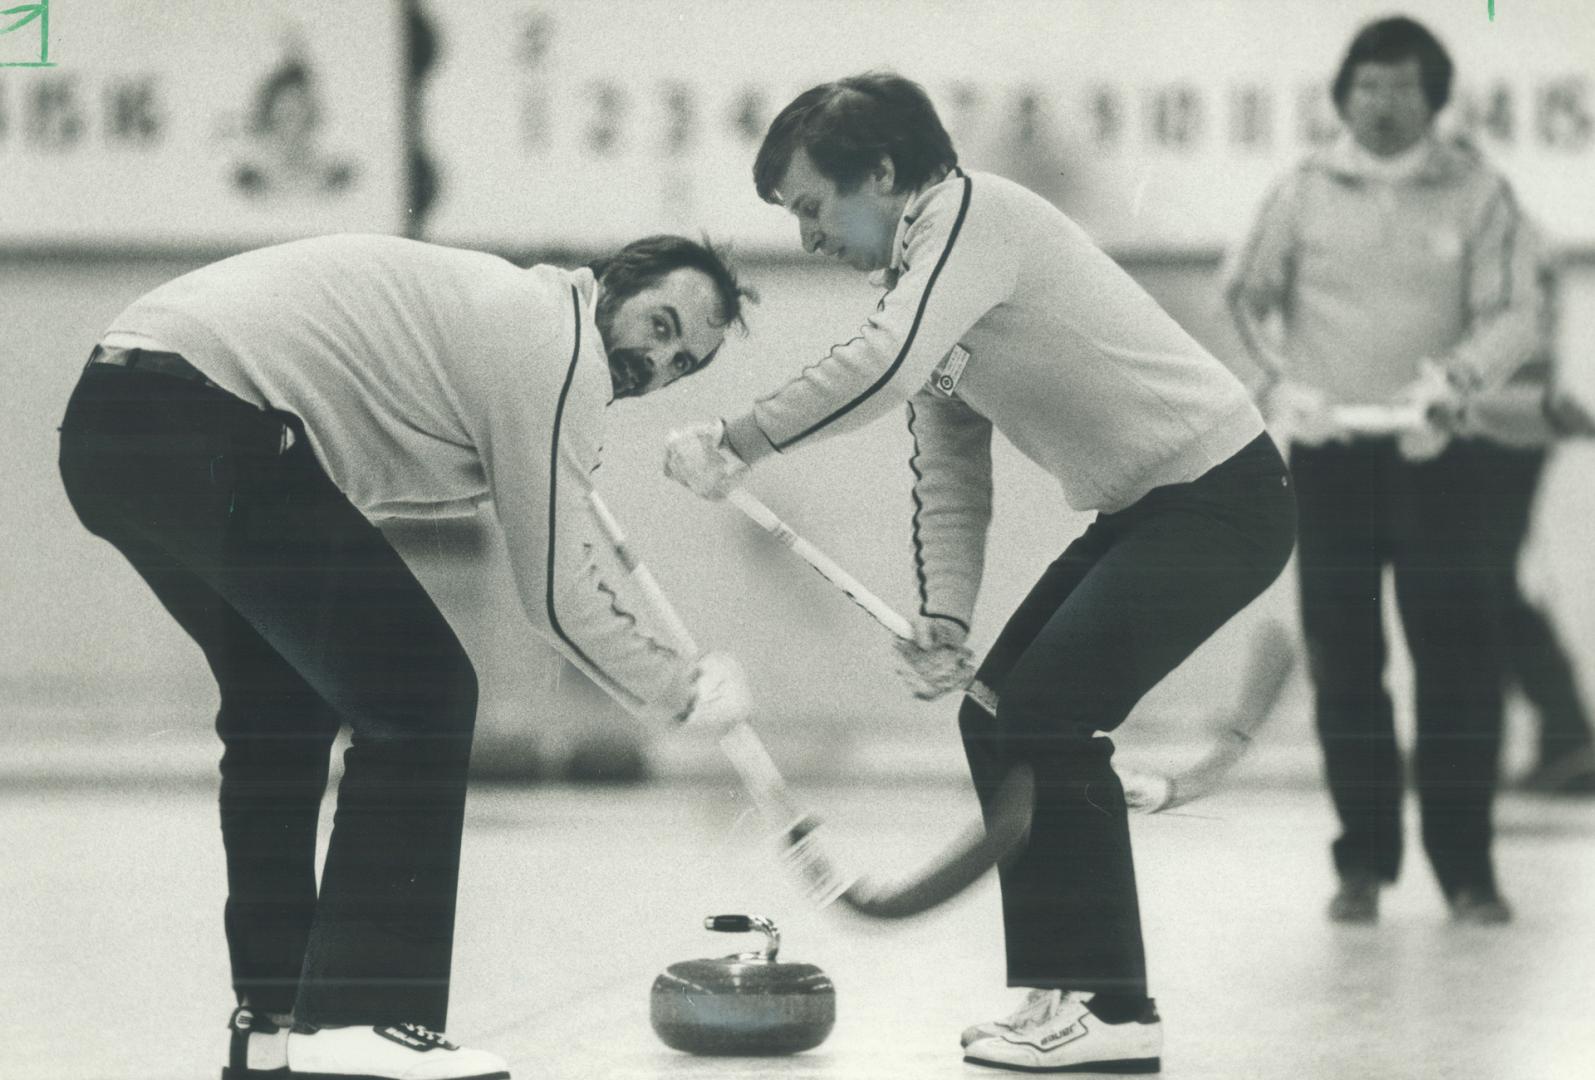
1479	907
1037	1004
1356	901
258	1049
386	1052
1071	1038
1570	773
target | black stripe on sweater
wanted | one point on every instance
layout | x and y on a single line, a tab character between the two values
919	545
553	485
913	330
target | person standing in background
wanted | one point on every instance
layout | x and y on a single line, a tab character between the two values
1392	266
1516	426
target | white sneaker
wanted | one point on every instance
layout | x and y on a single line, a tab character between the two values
1071	1038
1037	1003
386	1052
258	1049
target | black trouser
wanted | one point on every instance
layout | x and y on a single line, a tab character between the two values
1362	507
1531	653
308	618
1123	605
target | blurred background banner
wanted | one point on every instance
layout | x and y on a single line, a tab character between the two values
1155	123
157	137
215	124
558	126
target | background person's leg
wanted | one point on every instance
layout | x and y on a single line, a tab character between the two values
1446	589
1532	654
1564	758
1340	551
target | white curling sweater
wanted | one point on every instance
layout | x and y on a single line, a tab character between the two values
430	379
1001	314
1370	273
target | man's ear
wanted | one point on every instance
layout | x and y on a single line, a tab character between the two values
884	176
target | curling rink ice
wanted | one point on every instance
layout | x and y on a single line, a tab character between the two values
573	899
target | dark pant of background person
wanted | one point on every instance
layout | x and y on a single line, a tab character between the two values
1363	507
308	619
1532	655
1124	604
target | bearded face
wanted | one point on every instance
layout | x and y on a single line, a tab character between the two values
630	368
659	333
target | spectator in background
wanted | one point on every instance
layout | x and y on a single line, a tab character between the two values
1391	266
1516	426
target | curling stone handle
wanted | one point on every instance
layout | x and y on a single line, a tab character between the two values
745	924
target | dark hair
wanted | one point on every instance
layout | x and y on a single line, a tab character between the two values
847	126
644	263
1390	41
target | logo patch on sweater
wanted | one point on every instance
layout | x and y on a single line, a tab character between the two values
950	370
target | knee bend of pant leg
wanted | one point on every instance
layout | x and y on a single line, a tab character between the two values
1039	708
1054	741
436	736
440	702
1030	727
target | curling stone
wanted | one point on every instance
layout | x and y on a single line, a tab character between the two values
745	1004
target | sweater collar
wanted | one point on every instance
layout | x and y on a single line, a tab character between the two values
911	211
1429	161
587	289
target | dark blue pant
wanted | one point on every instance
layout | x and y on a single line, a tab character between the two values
1531	653
1123	605
1362	508
309	620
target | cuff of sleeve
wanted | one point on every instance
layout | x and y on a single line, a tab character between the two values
953	601
747	439
678	706
960	621
1463	376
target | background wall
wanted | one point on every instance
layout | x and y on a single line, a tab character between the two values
1155	122
549	133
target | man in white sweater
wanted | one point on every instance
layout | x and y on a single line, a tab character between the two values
1000	314
233	435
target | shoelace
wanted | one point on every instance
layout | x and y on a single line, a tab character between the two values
1037	1009
249	1022
424	1034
